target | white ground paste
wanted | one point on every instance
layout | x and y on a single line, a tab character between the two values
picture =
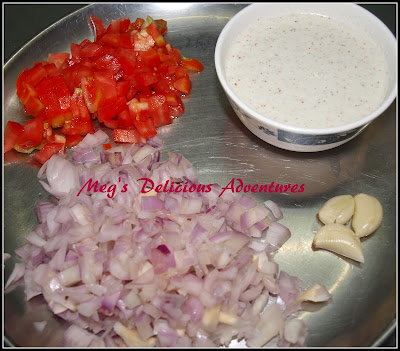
307	71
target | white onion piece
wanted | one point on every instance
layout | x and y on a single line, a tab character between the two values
275	209
17	273
61	175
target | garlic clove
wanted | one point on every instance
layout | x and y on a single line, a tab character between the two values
316	293
368	215
211	317
227	318
338	209
339	239
131	337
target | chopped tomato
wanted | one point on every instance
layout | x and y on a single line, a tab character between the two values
145	127
111	110
123	88
58	58
49	150
91	50
107	62
192	64
127	61
78	106
151	58
118	26
75	50
92	92
54	94
183	85
77	126
153	30
73	140
112	124
180	72
147	76
11	134
161	25
128	136
36	74
32	134
98	26
107	146
137	25
122	40
52	70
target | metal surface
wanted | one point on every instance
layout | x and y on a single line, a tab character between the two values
210	135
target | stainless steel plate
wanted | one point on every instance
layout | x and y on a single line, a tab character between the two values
210	135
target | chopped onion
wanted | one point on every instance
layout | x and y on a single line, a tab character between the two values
166	268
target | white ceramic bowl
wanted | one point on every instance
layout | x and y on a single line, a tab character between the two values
291	137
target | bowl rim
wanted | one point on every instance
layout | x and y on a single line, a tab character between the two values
292	128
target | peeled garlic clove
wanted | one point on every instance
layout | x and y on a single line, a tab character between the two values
368	215
316	293
339	209
131	337
339	239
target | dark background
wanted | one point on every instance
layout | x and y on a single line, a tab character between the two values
22	22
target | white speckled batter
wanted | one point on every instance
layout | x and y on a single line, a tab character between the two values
307	71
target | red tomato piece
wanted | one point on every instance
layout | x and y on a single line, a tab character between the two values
58	58
161	86
84	43
75	50
145	127
127	59
20	80
77	126
161	25
91	50
36	74
137	25
11	134
73	76
98	27
174	53
183	85
128	136
49	150
107	146
32	134
160	116
180	72
125	119
123	87
176	107
92	93
107	62
52	70
78	105
34	106
146	76
72	140
117	40
153	30
111	110
112	124
120	25
192	64
55	96
150	58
